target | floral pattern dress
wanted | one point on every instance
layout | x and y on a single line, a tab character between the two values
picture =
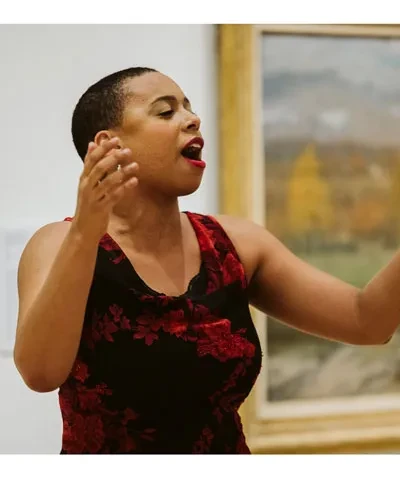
156	374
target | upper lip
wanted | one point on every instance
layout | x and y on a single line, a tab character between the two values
195	141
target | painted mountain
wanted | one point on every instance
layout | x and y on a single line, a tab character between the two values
326	88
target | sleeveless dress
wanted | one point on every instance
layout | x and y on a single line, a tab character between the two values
157	374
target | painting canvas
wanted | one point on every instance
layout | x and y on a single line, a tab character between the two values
331	139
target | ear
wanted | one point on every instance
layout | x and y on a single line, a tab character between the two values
102	136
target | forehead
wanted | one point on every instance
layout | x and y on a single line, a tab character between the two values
146	88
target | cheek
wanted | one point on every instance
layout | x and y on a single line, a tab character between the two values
155	148
160	140
168	132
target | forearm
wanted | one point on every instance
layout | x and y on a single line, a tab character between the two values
49	334
379	302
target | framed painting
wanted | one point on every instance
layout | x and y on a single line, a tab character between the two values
310	148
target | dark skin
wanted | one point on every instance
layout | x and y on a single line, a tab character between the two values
137	205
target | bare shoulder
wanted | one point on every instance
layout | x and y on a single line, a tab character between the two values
239	227
45	239
37	259
42	247
248	238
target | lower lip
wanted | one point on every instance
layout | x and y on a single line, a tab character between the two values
197	163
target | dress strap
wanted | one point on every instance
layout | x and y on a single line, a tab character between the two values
218	250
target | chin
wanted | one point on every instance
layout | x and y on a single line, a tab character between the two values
188	187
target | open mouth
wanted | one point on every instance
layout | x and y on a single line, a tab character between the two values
192	152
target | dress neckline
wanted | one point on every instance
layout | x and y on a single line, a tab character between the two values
202	241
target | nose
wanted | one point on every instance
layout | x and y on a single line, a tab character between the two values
192	122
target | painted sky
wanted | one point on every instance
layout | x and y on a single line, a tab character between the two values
332	88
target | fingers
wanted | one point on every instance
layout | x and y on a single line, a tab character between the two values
107	173
115	194
96	152
108	165
117	179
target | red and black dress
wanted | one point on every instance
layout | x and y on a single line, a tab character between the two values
157	374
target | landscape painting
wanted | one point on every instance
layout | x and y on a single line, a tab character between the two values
331	138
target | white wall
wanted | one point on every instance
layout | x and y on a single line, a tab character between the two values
44	70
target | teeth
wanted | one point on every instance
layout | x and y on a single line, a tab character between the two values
193	151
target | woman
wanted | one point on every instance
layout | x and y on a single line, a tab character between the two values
139	313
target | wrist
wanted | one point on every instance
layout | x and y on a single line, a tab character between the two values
83	239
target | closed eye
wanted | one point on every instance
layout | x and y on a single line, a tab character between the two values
167	114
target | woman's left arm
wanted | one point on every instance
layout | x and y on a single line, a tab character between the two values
306	298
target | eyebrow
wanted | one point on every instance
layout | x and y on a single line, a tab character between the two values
169	98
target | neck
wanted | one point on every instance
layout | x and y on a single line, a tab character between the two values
149	223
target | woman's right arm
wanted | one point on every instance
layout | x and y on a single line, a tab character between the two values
54	279
56	271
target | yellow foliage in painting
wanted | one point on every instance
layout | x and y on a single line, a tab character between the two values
309	205
369	214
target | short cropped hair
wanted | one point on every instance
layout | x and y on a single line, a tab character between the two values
101	107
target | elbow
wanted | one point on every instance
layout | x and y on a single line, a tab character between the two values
374	339
381	340
40	385
370	335
36	378
373	331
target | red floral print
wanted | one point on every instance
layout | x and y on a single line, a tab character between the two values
217	340
241	446
213	271
145	332
89	400
118	317
123	397
161	300
105	329
116	312
232	270
110	245
176	323
85	433
203	444
129	415
147	328
126	324
228	398
80	371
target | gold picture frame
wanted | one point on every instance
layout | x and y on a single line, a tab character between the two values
350	425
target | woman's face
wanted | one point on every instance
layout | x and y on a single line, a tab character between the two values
158	124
